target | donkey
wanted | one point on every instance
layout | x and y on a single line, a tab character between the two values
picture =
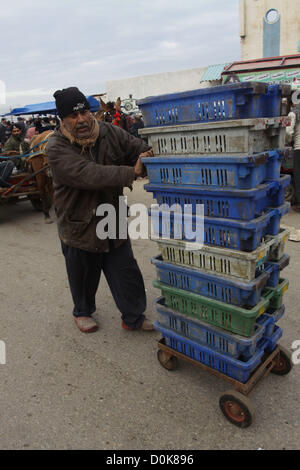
111	112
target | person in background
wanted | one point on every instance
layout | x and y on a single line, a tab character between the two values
137	123
47	126
39	126
293	134
129	121
54	121
2	135
22	124
31	131
8	130
17	143
30	123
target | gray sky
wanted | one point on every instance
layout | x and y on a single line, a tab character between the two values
46	45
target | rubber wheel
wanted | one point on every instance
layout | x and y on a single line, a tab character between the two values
168	362
284	362
237	408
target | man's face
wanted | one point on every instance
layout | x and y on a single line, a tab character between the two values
16	132
79	123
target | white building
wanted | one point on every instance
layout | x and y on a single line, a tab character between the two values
131	89
269	28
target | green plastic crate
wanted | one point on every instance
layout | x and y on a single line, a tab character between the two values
229	317
276	293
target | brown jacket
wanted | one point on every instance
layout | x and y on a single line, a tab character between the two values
84	181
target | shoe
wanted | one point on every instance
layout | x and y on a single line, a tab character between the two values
145	326
86	324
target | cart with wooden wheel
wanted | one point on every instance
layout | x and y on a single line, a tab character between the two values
24	185
235	404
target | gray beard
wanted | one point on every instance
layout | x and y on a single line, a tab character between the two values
74	131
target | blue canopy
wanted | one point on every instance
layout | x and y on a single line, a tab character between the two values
49	108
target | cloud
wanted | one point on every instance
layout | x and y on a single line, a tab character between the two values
169	45
51	45
28	93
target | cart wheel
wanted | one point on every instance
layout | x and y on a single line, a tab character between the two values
167	361
283	362
237	408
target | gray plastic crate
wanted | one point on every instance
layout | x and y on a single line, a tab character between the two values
237	137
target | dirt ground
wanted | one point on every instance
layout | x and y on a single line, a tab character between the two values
61	389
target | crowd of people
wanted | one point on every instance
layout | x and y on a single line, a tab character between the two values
129	122
16	136
32	126
29	128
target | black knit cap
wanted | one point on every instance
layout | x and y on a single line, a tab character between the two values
18	125
70	100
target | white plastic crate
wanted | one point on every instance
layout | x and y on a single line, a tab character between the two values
237	137
223	261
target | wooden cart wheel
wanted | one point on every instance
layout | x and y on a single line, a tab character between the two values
167	361
237	408
283	362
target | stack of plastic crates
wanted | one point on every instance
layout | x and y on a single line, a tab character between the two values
220	147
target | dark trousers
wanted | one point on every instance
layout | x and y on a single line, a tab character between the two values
122	274
297	176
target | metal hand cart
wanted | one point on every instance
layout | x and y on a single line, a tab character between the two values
235	404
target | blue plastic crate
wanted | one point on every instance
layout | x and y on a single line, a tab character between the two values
276	194
274	269
213	337
241	204
233	292
271	342
269	319
237	369
276	214
226	233
219	103
243	172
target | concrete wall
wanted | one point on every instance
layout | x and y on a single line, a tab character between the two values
156	84
252	13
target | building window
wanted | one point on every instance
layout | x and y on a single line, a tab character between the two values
271	32
272	16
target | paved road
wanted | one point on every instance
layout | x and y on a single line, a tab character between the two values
61	389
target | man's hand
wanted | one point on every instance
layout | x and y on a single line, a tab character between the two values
139	167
